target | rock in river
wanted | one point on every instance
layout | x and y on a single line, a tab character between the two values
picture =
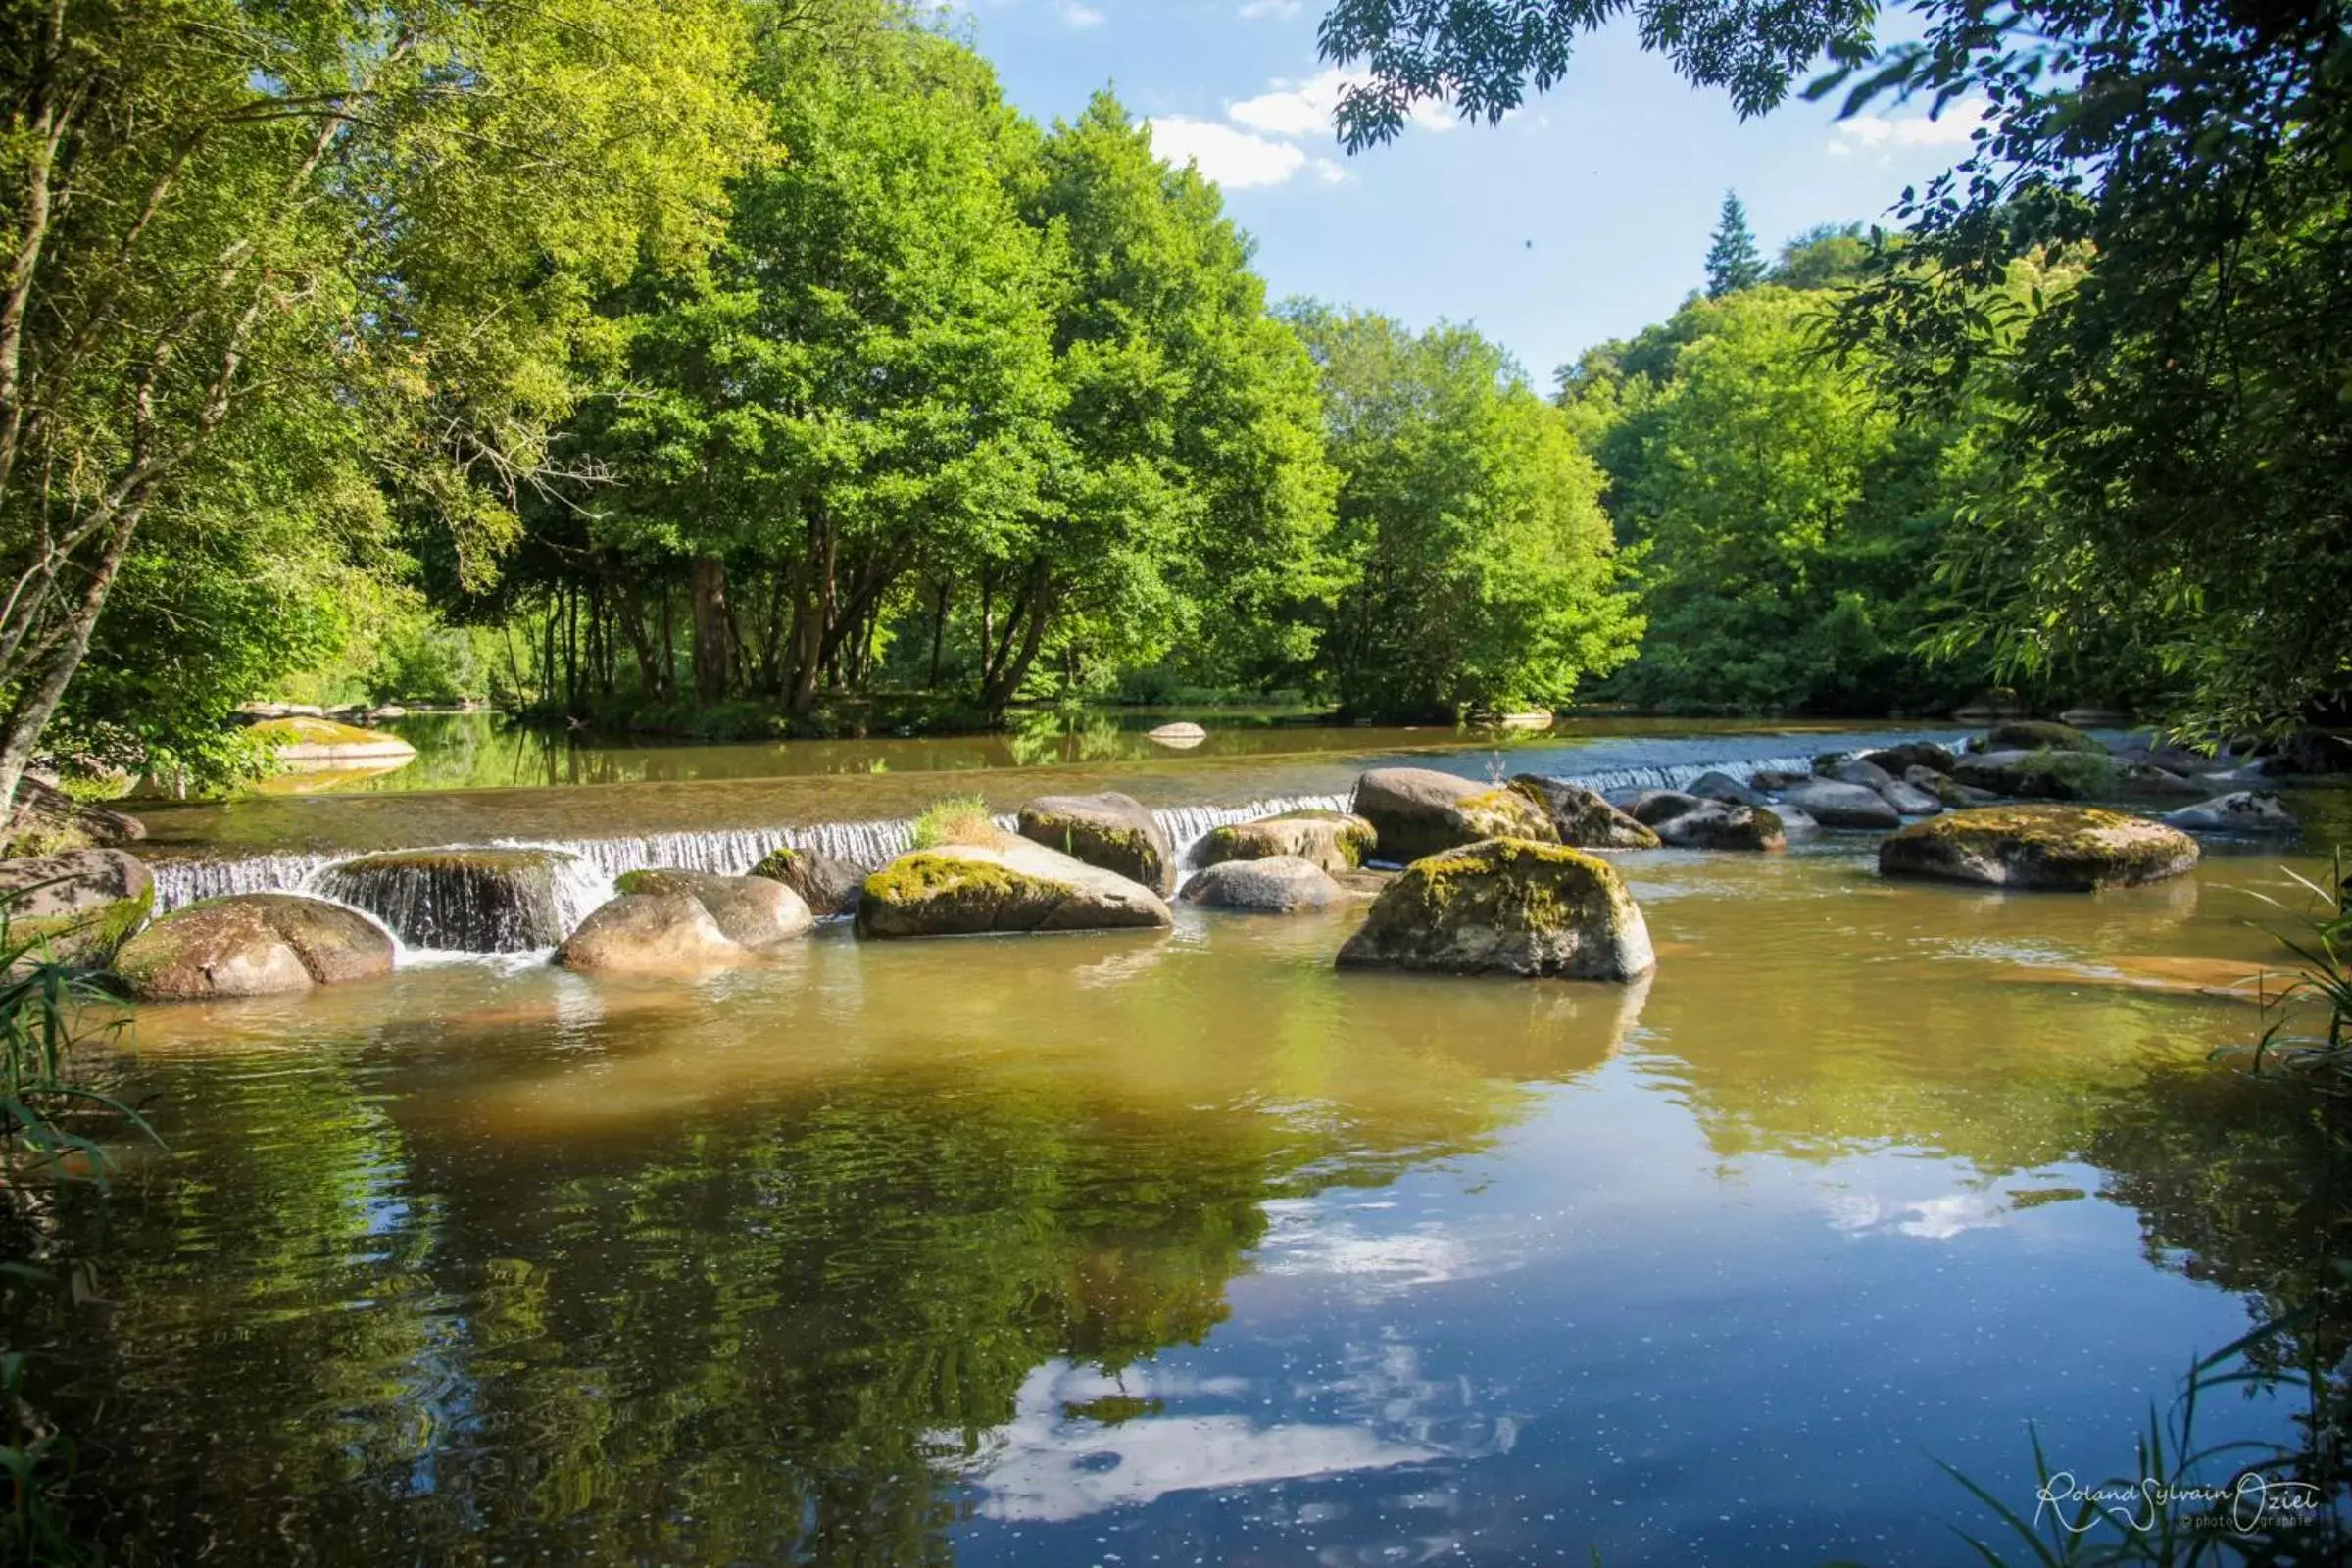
1835	804
1333	840
253	944
79	905
2075	848
828	886
2055	774
461	899
1417	812
2255	814
1722	826
754	911
1281	884
1005	885
1112	831
654	933
1506	906
1581	818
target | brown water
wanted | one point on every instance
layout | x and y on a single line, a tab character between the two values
1190	1249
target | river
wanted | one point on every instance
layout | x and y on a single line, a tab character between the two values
1182	1249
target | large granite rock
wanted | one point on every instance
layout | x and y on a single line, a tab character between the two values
1280	884
461	899
1110	830
76	908
1418	812
2248	814
753	911
2074	848
665	933
1909	798
1846	768
1835	804
2056	774
828	886
1006	886
1506	906
1582	819
1336	840
1718	786
255	944
1723	825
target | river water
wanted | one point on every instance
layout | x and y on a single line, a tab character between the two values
1187	1247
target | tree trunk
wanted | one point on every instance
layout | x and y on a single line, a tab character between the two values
938	630
1030	616
708	579
21	731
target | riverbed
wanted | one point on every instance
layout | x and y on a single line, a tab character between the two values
1185	1248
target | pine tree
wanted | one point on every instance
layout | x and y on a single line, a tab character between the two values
1733	260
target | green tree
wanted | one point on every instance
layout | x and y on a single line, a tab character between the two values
1481	569
1733	260
263	254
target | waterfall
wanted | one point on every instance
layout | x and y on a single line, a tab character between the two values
1674	775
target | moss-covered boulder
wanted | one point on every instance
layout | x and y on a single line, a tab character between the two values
301	740
1725	825
2055	774
77	907
2038	735
1011	885
1336	840
828	886
46	820
1506	906
460	899
754	911
668	933
1418	811
255	944
2067	848
1834	804
1581	818
1281	884
1112	831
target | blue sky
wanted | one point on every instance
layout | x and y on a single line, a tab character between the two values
1582	217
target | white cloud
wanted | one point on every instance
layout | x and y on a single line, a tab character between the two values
1304	107
1254	10
1081	16
1234	159
1876	133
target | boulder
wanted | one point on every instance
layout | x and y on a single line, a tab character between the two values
1835	804
2147	781
754	911
1506	906
1333	840
1795	822
252	945
1182	735
828	886
77	907
2075	848
1417	812
1909	798
1650	807
2038	735
1112	831
2253	813
1280	884
307	740
45	821
461	899
1009	885
1774	778
1846	768
1725	825
1724	787
1898	760
2089	716
1581	818
655	933
2045	775
1948	793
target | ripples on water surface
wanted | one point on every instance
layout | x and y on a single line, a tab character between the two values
1191	1249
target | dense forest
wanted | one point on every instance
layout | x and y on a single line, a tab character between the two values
794	383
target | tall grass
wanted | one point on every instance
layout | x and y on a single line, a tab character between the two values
958	820
2323	946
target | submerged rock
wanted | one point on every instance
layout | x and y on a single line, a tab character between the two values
2054	846
79	907
2044	775
463	900
1835	804
1725	825
1335	841
654	933
1280	884
252	945
1581	818
828	886
1506	906
1418	812
2256	814
1006	886
1112	831
754	911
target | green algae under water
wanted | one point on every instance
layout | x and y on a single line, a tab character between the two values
1189	1248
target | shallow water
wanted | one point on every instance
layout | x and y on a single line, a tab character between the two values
1193	1250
